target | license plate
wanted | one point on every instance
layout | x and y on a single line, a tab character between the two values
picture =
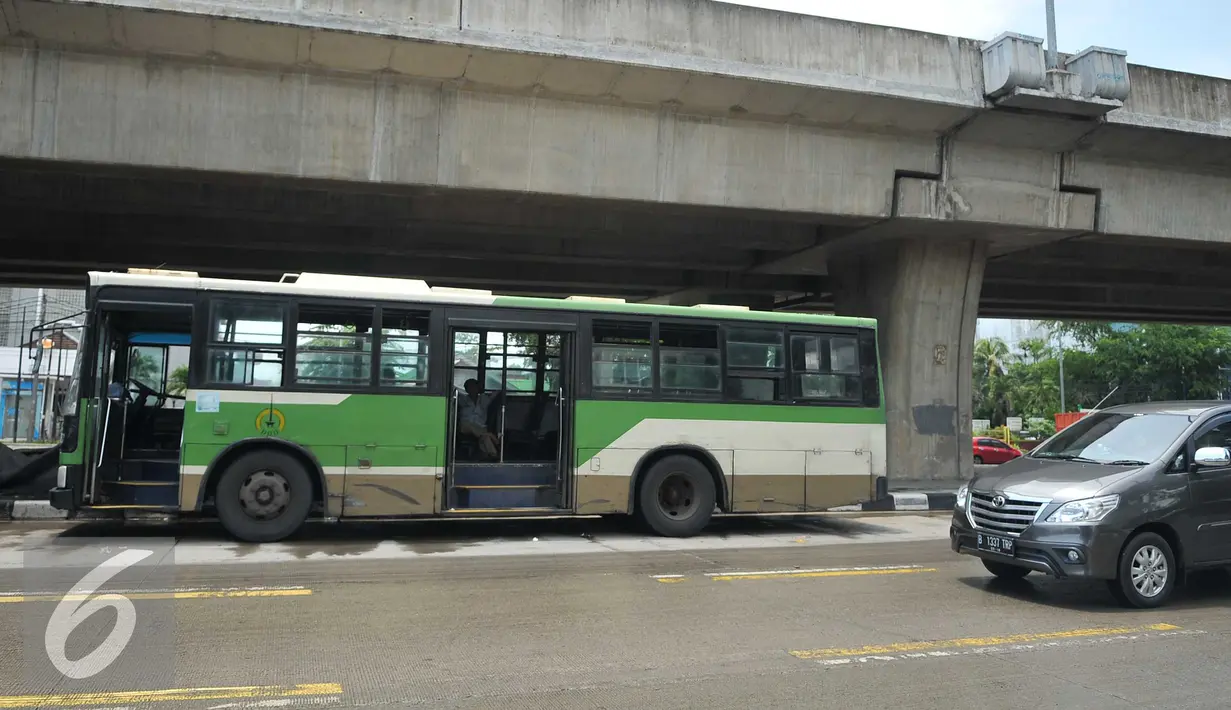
995	543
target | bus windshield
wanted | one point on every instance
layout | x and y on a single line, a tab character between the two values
72	392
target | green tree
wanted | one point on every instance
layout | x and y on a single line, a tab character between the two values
991	356
177	383
1147	362
144	367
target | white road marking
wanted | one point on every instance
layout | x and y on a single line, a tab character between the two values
278	703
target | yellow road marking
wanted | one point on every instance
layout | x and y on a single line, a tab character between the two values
176	695
798	573
195	594
826	573
977	641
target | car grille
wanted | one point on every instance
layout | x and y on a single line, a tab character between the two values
1012	518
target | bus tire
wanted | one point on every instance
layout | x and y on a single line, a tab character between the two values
263	496
676	497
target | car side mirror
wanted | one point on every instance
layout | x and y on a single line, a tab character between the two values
1212	457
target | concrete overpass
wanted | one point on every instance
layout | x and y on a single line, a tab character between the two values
657	149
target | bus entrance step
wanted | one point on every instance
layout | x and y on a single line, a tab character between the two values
157	493
505	496
504	474
141	470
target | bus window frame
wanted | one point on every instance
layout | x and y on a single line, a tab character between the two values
435	360
289	314
586	356
816	331
203	327
443	316
716	397
784	394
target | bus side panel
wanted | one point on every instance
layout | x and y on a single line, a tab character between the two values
603	479
405	433
761	450
836	478
768	481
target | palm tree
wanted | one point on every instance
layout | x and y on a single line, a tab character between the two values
177	383
990	360
990	357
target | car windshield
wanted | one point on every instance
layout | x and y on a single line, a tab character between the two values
1115	438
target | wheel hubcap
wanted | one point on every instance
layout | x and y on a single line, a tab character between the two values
677	498
1149	571
264	495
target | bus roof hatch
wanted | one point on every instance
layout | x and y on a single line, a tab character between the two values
369	284
721	307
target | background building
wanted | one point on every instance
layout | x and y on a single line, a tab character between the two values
23	308
35	367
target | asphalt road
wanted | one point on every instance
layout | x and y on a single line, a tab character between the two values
842	612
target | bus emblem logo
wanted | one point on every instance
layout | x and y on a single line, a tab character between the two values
270	422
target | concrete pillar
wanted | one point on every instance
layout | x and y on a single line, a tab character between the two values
925	294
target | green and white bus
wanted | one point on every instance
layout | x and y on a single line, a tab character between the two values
334	397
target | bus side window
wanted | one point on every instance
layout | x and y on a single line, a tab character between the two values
756	364
404	348
246	344
689	361
622	359
825	367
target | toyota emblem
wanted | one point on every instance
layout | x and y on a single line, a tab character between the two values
998	501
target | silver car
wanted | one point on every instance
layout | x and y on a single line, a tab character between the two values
1136	495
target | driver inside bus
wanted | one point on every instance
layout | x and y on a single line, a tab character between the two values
473	410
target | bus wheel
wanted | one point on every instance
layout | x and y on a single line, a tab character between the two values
263	496
676	497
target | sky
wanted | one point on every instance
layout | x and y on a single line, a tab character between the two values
1183	35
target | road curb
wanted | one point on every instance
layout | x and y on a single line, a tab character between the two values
905	502
17	510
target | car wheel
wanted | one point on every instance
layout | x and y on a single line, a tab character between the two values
676	497
1004	571
1147	572
978	460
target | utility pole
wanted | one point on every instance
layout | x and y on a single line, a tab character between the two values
1051	35
1062	407
20	364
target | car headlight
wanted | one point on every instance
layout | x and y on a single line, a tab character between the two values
963	494
1089	510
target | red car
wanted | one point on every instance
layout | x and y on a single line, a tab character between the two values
994	451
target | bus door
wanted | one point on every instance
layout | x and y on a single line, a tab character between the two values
132	450
99	408
510	405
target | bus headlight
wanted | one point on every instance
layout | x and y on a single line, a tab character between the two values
963	496
1087	510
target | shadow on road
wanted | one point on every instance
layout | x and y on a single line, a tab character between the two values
444	533
1203	589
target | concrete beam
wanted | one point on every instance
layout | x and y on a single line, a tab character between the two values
168	114
76	188
707	57
272	260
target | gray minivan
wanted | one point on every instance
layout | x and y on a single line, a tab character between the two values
1135	495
